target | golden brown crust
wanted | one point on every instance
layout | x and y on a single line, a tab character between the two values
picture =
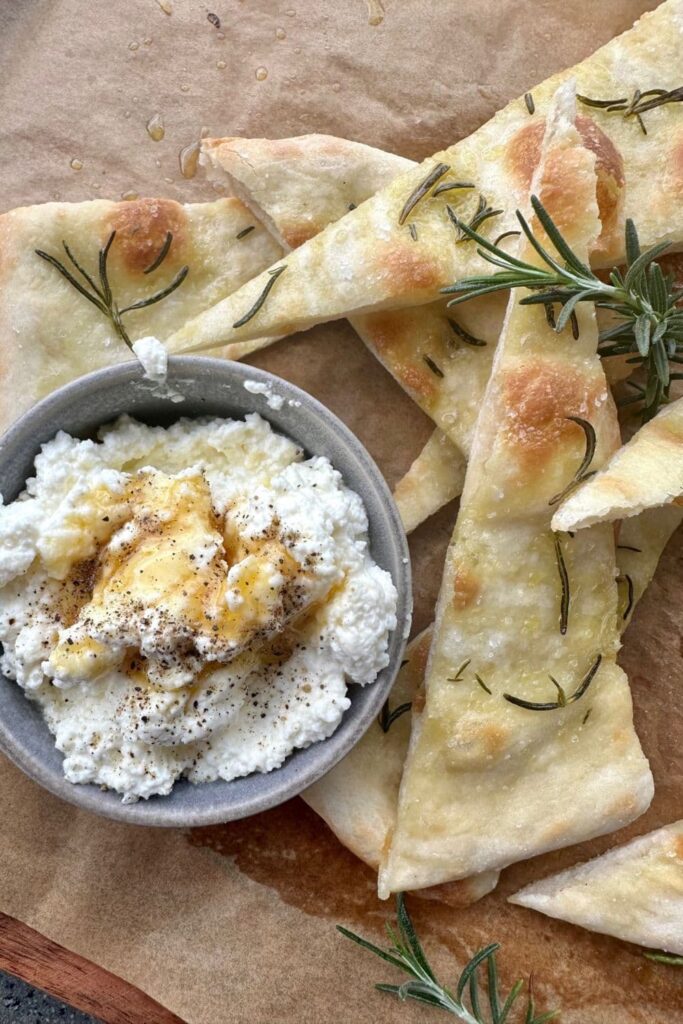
410	269
539	397
141	231
465	588
676	167
524	151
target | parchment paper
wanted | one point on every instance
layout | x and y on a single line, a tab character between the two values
236	923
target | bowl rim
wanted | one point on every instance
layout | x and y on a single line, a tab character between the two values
154	812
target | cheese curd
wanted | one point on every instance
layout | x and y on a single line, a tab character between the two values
187	601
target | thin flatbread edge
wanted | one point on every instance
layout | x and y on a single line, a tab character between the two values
633	892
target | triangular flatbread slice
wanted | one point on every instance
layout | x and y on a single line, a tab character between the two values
634	892
296	187
645	473
488	782
436	477
50	333
399	248
358	797
640	544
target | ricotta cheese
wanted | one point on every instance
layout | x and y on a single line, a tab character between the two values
187	601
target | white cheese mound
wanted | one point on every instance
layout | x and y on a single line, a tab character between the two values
136	687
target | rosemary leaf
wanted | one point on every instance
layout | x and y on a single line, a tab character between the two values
665	958
163	253
564	584
387	718
554	705
459	674
639	103
433	367
582	472
413	232
530	105
450	186
482	213
464	335
158	296
71	279
274	274
422	189
506	234
81	270
481	683
104	278
630	595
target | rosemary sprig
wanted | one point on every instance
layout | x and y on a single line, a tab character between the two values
387	718
274	274
100	294
422	189
406	954
464	335
564	584
648	319
563	700
466	231
638	104
582	472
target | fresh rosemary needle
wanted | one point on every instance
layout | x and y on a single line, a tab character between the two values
274	274
464	335
630	594
563	700
436	370
639	103
459	674
387	717
465	1002
482	213
482	684
665	958
582	472
564	584
450	186
421	190
648	318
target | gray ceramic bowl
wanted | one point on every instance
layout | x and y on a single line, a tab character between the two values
210	387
